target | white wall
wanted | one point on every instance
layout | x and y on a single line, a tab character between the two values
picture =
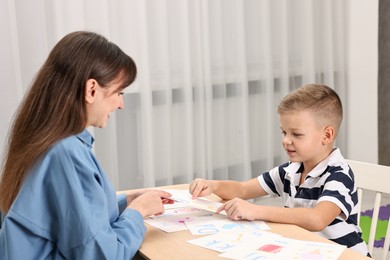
362	117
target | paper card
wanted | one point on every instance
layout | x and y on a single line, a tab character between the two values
285	248
175	205
312	250
222	242
261	249
188	210
174	219
222	224
241	253
184	197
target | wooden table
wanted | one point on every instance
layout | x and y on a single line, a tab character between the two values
161	245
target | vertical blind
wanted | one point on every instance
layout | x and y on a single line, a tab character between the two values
211	74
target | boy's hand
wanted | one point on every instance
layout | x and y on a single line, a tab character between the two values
200	188
238	209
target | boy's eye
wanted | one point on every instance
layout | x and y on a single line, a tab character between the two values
297	134
120	93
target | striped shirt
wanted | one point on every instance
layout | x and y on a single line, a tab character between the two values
331	180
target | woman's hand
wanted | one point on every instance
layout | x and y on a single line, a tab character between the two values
132	194
201	188
150	202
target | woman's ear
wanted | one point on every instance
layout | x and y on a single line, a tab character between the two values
90	90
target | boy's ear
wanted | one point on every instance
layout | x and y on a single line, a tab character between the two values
329	134
90	90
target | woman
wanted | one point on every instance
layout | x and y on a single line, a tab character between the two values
56	200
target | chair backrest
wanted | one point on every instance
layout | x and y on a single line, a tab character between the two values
374	177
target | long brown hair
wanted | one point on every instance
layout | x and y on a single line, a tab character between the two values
54	107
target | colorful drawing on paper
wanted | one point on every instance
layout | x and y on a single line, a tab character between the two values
312	255
174	219
184	197
222	242
271	248
313	251
285	248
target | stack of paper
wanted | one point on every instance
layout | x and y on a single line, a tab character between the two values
198	216
234	239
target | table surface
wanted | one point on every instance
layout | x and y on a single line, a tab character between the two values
161	245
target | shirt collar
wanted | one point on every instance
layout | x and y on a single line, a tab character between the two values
335	155
86	137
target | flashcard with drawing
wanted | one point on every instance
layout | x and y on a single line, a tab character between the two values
222	242
178	211
184	197
285	248
176	218
222	224
312	250
267	248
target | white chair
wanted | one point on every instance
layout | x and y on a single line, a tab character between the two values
375	177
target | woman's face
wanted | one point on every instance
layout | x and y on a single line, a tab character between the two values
105	101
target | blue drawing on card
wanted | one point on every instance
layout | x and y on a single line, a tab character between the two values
218	245
253	225
232	226
212	242
225	246
208	230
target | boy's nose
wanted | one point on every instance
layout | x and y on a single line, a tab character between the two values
286	140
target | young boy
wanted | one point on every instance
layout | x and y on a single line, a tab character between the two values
317	185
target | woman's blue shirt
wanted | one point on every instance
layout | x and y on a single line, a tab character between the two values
67	209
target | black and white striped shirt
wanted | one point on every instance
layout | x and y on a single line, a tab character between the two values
331	180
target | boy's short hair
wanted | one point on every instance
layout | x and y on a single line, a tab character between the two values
320	100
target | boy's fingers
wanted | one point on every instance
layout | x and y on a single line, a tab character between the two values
221	208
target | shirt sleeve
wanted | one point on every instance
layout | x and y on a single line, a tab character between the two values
272	182
339	189
122	202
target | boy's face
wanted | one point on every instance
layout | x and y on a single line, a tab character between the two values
302	138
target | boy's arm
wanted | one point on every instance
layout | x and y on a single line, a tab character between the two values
312	219
226	189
